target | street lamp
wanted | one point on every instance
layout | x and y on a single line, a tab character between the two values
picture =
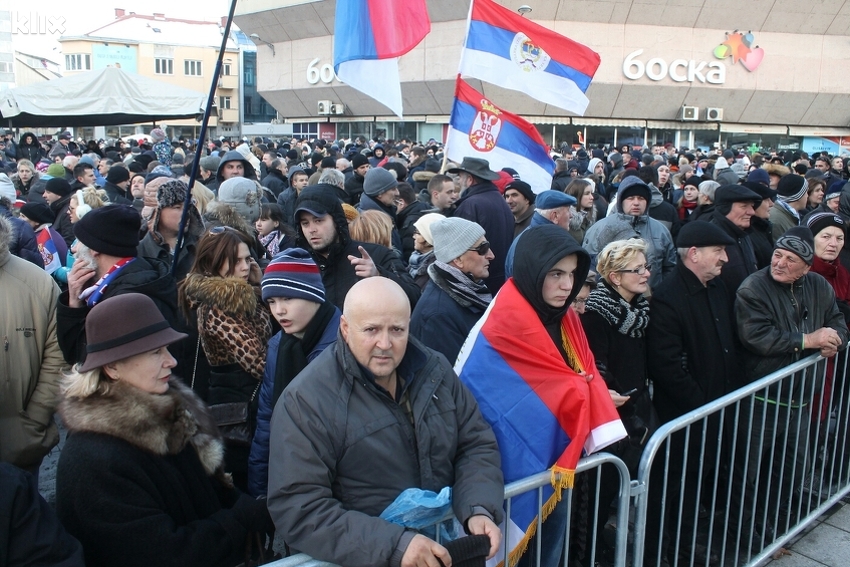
524	9
256	37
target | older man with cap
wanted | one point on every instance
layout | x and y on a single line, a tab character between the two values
691	335
107	264
456	297
631	220
784	313
551	207
793	193
520	198
735	206
481	203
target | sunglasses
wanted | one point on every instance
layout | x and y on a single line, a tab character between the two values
639	271
482	248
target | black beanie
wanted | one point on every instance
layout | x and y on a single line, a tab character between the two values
38	212
537	250
359	160
522	188
111	230
291	154
58	186
118	174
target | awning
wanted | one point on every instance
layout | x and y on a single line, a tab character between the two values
733	128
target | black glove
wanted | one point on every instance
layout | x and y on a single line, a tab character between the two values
253	514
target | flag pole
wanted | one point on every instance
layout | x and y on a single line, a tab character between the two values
201	137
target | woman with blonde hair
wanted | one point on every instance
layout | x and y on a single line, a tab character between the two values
140	479
372	226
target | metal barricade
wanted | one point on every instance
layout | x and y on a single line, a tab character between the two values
729	483
589	466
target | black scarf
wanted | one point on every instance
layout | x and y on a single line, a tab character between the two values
460	287
630	319
292	352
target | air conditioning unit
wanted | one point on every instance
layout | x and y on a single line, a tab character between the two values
714	114
690	113
338	108
324	107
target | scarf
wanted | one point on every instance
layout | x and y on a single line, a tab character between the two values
836	275
94	294
791	210
630	319
687	206
418	263
271	242
292	352
460	287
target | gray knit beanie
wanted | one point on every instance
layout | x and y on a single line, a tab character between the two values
454	236
378	180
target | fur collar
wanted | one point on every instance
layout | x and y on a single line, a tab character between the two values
162	424
222	213
233	296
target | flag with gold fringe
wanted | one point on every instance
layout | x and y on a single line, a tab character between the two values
543	411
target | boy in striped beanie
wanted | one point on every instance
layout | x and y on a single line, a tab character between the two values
292	287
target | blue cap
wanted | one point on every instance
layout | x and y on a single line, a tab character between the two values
759	176
550	199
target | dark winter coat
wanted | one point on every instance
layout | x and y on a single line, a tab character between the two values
441	323
354	188
31	151
23	243
691	337
773	317
276	181
404	220
63	224
560	181
761	237
140	481
622	357
329	484
30	532
742	259
286	202
116	195
338	274
482	203
22	189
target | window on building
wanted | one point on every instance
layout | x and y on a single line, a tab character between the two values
249	76
5	67
165	66
224	102
192	68
247	105
225	69
305	128
78	62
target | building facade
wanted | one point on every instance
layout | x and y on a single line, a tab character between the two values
175	51
691	72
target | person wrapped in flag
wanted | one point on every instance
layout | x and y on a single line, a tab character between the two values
51	245
529	366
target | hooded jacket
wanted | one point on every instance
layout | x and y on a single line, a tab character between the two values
31	362
31	151
234	155
338	274
660	252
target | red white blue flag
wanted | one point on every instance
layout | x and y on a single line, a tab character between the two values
542	411
506	49
369	37
49	254
478	128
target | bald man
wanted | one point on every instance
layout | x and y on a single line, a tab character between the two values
374	415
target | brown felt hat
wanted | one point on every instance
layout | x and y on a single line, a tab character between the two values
124	326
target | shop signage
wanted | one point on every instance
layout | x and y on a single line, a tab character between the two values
739	46
324	73
679	70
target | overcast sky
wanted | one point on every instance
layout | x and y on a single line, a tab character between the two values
80	19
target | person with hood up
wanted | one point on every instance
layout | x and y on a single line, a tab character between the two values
322	229
378	155
29	148
292	288
245	151
233	164
631	220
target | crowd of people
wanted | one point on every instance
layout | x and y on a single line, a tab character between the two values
290	367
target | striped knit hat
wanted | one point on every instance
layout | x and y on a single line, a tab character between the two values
293	273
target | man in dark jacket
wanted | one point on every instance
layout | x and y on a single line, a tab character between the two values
380	191
561	178
761	230
106	265
57	194
276	180
481	203
117	183
296	182
456	296
735	205
372	416
322	230
784	314
354	184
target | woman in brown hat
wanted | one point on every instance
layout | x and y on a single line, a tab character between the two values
140	479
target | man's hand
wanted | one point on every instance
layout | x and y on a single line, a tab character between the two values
363	267
78	277
482	525
424	552
825	339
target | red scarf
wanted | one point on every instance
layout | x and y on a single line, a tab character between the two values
837	276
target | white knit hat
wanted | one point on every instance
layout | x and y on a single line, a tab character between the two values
453	237
423	225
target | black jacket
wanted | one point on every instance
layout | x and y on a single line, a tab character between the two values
23	243
276	181
691	338
116	195
761	236
441	323
33	151
742	259
482	203
354	188
404	220
63	224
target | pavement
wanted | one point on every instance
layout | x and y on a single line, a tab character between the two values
826	543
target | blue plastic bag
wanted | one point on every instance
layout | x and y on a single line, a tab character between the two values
422	510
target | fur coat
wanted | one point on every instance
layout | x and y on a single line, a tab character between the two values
140	479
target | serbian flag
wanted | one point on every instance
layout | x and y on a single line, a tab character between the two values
369	37
505	49
49	254
478	128
542	411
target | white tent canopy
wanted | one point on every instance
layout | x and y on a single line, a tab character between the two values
98	98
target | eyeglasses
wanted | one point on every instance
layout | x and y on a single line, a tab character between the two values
482	248
578	302
639	271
